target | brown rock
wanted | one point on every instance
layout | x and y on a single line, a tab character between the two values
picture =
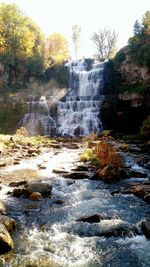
36	196
108	173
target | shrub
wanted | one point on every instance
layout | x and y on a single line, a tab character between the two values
107	155
89	156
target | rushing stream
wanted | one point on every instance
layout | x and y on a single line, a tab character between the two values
49	232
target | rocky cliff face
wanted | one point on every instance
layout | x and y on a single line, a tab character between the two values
133	74
125	113
130	73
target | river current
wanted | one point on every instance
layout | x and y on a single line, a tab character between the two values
49	233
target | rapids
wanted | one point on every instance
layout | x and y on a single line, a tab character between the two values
49	233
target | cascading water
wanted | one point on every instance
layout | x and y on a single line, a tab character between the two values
38	120
80	113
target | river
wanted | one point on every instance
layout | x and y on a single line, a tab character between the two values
49	232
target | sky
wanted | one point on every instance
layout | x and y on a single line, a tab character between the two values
90	15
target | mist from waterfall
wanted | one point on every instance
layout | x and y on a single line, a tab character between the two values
79	115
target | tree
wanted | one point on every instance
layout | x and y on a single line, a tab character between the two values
57	49
146	22
105	42
21	42
137	28
139	43
76	30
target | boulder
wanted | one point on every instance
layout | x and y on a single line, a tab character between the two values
43	188
146	228
6	242
9	223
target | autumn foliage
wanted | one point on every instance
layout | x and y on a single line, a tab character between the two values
107	155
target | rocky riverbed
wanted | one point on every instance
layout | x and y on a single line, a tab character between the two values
60	215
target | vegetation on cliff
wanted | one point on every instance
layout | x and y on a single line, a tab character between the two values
132	62
139	44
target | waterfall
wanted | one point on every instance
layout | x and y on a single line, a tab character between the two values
38	120
80	113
